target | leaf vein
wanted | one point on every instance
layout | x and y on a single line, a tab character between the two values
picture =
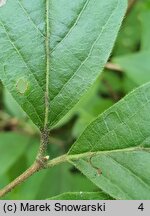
47	65
74	24
130	171
39	117
28	15
19	53
83	62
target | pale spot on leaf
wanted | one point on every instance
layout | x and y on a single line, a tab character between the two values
22	86
2	2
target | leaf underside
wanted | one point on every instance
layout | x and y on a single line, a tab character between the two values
50	53
114	150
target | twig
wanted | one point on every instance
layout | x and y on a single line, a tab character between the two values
112	66
38	165
111	91
43	144
130	5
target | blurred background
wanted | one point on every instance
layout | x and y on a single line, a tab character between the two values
127	68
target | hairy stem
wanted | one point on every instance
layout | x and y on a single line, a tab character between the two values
56	161
43	145
37	165
40	163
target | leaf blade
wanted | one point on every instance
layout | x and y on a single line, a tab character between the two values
55	55
83	58
123	135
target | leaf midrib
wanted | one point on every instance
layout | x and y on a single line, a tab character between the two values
47	65
71	156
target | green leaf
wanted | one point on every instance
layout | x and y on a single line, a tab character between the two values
64	180
89	107
12	146
128	39
136	66
128	85
144	18
114	150
81	196
12	106
50	53
88	112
